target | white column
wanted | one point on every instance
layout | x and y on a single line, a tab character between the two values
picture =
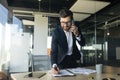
40	35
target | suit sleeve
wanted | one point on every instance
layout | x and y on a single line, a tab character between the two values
82	39
54	49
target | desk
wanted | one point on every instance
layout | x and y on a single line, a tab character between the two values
108	71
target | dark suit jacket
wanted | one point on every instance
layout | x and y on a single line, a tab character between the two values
59	46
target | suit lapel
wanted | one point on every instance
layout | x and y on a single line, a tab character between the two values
62	39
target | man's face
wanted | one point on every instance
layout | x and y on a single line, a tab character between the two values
66	23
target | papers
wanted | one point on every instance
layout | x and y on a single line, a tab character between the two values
82	71
74	71
64	73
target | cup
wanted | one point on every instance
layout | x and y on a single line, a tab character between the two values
99	68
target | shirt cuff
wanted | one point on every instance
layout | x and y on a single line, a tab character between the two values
54	65
78	38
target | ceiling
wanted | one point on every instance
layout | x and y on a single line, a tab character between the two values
43	5
87	13
109	14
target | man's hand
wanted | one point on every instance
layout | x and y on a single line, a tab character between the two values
55	70
74	29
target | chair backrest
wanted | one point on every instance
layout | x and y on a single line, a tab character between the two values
49	51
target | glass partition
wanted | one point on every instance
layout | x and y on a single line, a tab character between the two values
3	22
100	29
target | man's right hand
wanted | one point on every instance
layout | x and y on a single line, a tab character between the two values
55	70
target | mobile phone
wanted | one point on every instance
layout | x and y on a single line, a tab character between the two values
108	79
56	68
72	27
73	22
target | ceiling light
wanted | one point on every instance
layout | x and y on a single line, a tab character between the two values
108	33
39	0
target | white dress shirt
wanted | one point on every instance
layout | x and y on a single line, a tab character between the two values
69	41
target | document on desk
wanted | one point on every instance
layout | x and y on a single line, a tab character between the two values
81	71
64	73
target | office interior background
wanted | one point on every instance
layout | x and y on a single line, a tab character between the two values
26	27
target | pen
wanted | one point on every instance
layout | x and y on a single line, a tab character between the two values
56	68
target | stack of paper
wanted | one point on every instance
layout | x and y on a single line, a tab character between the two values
74	71
64	73
81	71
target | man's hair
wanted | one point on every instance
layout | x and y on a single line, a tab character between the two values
65	13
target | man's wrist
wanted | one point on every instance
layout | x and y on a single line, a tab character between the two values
54	65
78	37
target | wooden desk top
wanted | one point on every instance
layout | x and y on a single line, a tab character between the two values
108	71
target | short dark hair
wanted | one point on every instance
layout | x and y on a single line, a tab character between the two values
65	13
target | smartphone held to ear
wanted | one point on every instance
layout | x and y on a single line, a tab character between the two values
73	26
73	23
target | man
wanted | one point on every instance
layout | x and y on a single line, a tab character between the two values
64	51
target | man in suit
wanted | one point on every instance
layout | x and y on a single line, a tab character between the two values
64	51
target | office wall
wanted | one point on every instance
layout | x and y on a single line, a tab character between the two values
40	34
